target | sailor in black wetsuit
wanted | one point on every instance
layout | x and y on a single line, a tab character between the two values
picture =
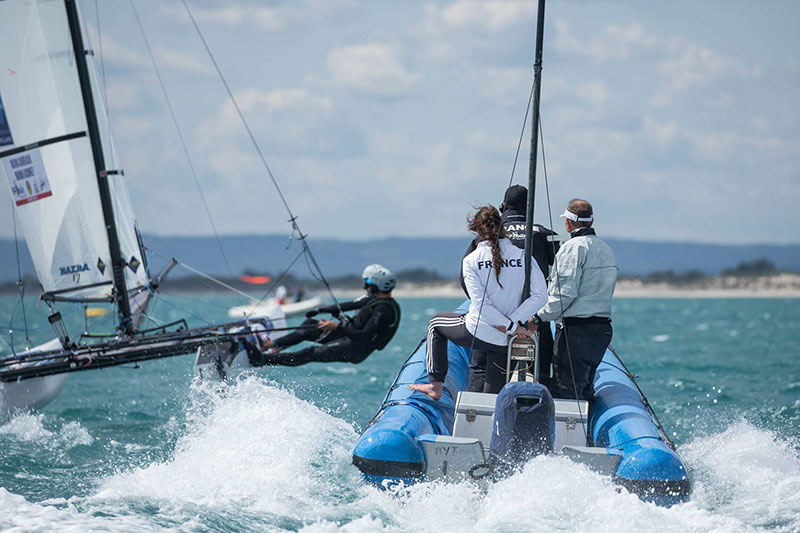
348	341
514	213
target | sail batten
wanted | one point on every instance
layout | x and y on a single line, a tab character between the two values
39	144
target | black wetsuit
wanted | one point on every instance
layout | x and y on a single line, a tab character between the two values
372	327
544	253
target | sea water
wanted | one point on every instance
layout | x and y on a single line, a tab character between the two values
150	449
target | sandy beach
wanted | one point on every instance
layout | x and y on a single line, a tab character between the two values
782	285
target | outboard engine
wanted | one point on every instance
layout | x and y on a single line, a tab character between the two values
524	426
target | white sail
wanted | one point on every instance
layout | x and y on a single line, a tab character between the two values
135	273
47	158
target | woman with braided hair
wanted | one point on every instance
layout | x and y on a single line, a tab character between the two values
494	275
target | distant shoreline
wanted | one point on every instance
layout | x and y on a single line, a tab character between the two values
773	286
623	290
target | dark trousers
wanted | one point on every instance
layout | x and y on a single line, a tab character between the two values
487	370
334	347
488	373
306	332
545	352
578	351
451	327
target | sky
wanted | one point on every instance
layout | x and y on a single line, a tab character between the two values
677	120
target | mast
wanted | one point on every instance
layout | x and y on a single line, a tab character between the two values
117	261
537	87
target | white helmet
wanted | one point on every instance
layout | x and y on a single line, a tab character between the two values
379	276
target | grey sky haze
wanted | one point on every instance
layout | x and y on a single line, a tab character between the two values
678	120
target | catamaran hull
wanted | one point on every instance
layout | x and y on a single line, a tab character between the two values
391	449
225	362
30	394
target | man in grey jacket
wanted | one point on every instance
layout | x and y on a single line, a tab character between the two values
579	297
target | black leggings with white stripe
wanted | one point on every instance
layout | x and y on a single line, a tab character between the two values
450	327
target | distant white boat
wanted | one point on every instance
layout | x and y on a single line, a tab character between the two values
266	308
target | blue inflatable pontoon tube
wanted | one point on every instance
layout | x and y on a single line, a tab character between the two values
620	420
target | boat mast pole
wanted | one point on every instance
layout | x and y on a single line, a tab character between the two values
537	86
117	261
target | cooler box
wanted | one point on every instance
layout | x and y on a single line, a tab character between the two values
475	416
569	429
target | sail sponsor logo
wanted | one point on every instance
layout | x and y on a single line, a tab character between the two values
73	269
134	263
5	130
27	177
101	266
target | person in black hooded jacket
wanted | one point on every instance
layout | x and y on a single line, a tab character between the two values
514	214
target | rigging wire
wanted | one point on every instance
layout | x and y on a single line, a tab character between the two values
20	283
112	148
510	181
180	136
558	278
212	279
272	286
292	217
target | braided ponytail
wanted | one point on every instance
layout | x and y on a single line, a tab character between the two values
489	226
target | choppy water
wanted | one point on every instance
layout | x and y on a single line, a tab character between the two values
146	449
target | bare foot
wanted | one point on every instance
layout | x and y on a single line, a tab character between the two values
433	389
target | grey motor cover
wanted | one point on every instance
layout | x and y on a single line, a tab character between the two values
524	426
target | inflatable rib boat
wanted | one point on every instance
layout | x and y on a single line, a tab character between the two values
413	438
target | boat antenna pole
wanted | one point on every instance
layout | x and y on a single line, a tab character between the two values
117	261
537	87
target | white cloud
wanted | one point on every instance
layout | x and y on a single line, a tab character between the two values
131	127
282	99
371	68
760	122
663	133
282	121
456	30
122	96
113	52
617	42
634	35
506	86
232	16
734	146
719	101
181	61
267	18
492	16
256	106
489	142
594	93
688	64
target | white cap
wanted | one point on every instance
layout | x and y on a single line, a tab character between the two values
575	218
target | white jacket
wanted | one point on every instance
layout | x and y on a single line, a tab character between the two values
583	279
496	306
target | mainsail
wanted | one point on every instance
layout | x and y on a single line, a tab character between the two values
47	158
72	202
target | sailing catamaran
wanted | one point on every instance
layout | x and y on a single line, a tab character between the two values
74	210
